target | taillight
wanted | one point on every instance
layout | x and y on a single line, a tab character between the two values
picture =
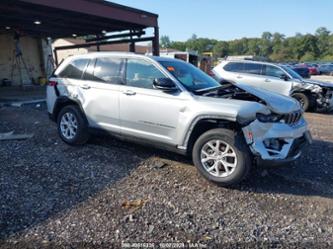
52	83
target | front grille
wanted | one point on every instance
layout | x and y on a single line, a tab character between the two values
292	118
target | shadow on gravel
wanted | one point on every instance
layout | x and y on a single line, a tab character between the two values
310	175
40	180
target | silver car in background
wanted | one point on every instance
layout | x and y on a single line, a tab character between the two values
173	105
315	95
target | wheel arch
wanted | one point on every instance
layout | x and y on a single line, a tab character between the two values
312	96
204	124
61	102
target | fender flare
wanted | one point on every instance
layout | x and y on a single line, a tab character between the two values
199	118
64	101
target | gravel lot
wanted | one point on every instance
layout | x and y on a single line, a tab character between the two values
109	191
326	78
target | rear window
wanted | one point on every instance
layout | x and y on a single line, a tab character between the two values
252	68
109	70
234	67
74	69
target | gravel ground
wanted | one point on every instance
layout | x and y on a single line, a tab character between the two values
326	78
110	192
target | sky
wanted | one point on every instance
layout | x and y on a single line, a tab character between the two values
232	19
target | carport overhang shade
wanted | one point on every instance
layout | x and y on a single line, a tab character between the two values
63	18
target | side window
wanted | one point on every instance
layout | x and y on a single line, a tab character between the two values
252	68
234	67
109	70
89	72
74	69
273	71
140	73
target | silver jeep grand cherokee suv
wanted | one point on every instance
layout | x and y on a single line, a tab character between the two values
171	104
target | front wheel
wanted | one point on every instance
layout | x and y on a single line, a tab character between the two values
303	99
222	156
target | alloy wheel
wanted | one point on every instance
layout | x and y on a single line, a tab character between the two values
218	158
68	125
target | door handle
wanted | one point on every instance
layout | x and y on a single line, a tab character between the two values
85	86
239	77
129	93
267	80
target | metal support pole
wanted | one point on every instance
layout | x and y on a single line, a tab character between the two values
156	42
98	48
132	47
55	57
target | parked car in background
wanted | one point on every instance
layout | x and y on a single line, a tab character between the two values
173	105
326	69
313	68
302	71
278	78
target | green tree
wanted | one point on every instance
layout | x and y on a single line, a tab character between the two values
254	46
323	36
165	41
275	46
221	49
178	45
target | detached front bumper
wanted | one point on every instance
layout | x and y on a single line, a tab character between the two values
277	142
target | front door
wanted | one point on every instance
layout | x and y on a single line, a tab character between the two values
146	112
273	82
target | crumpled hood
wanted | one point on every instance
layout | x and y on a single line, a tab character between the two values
277	103
317	82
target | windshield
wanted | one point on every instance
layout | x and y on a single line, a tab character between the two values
292	73
192	78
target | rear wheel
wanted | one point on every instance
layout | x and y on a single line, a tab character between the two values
222	157
303	99
72	125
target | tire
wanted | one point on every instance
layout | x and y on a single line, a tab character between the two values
236	142
78	133
303	99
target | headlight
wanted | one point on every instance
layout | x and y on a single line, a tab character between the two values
270	118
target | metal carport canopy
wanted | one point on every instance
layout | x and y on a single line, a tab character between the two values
63	18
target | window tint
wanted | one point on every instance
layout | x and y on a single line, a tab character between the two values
234	67
140	73
273	71
252	68
109	70
74	69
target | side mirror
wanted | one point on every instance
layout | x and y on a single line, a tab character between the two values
284	77
165	84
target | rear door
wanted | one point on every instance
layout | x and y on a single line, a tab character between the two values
146	112
68	81
232	71
252	74
99	92
273	82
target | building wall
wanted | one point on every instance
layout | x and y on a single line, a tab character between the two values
32	55
63	54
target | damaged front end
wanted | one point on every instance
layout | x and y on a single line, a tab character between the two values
321	93
278	141
278	132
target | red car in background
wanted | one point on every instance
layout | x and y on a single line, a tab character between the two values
313	68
